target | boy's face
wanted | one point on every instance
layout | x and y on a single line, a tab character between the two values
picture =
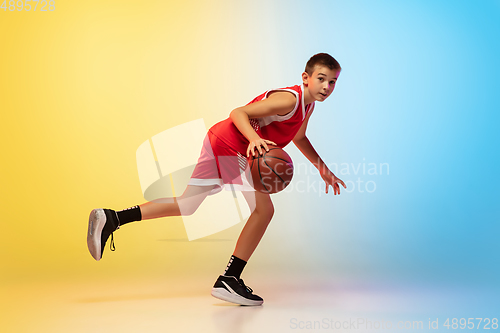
321	83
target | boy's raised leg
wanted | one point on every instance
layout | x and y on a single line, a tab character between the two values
103	222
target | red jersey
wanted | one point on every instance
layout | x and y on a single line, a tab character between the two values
279	129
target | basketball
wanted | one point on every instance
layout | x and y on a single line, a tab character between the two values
272	171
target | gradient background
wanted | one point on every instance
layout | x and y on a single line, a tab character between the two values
83	86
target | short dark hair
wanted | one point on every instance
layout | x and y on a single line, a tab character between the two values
321	59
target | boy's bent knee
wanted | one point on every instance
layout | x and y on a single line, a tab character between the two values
188	210
188	207
191	199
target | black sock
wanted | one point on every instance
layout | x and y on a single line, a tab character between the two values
129	215
235	267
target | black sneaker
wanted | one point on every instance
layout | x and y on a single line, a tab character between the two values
229	288
102	223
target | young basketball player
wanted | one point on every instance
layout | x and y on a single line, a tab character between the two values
276	117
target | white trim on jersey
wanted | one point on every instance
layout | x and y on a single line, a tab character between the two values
269	119
311	106
303	107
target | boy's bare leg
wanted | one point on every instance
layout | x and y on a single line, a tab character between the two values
184	205
229	286
103	222
262	212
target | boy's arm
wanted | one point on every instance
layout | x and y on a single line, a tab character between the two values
280	102
305	146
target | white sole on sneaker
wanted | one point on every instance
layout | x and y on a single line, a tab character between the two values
225	295
97	220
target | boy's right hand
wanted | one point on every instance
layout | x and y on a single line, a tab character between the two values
258	143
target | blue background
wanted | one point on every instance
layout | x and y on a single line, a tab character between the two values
418	91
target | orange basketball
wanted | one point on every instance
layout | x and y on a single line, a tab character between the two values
272	171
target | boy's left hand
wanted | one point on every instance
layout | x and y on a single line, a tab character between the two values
333	181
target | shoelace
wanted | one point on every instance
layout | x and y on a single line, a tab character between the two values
112	243
246	287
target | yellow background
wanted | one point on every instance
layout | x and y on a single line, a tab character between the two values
81	88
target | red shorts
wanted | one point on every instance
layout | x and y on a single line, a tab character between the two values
220	165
